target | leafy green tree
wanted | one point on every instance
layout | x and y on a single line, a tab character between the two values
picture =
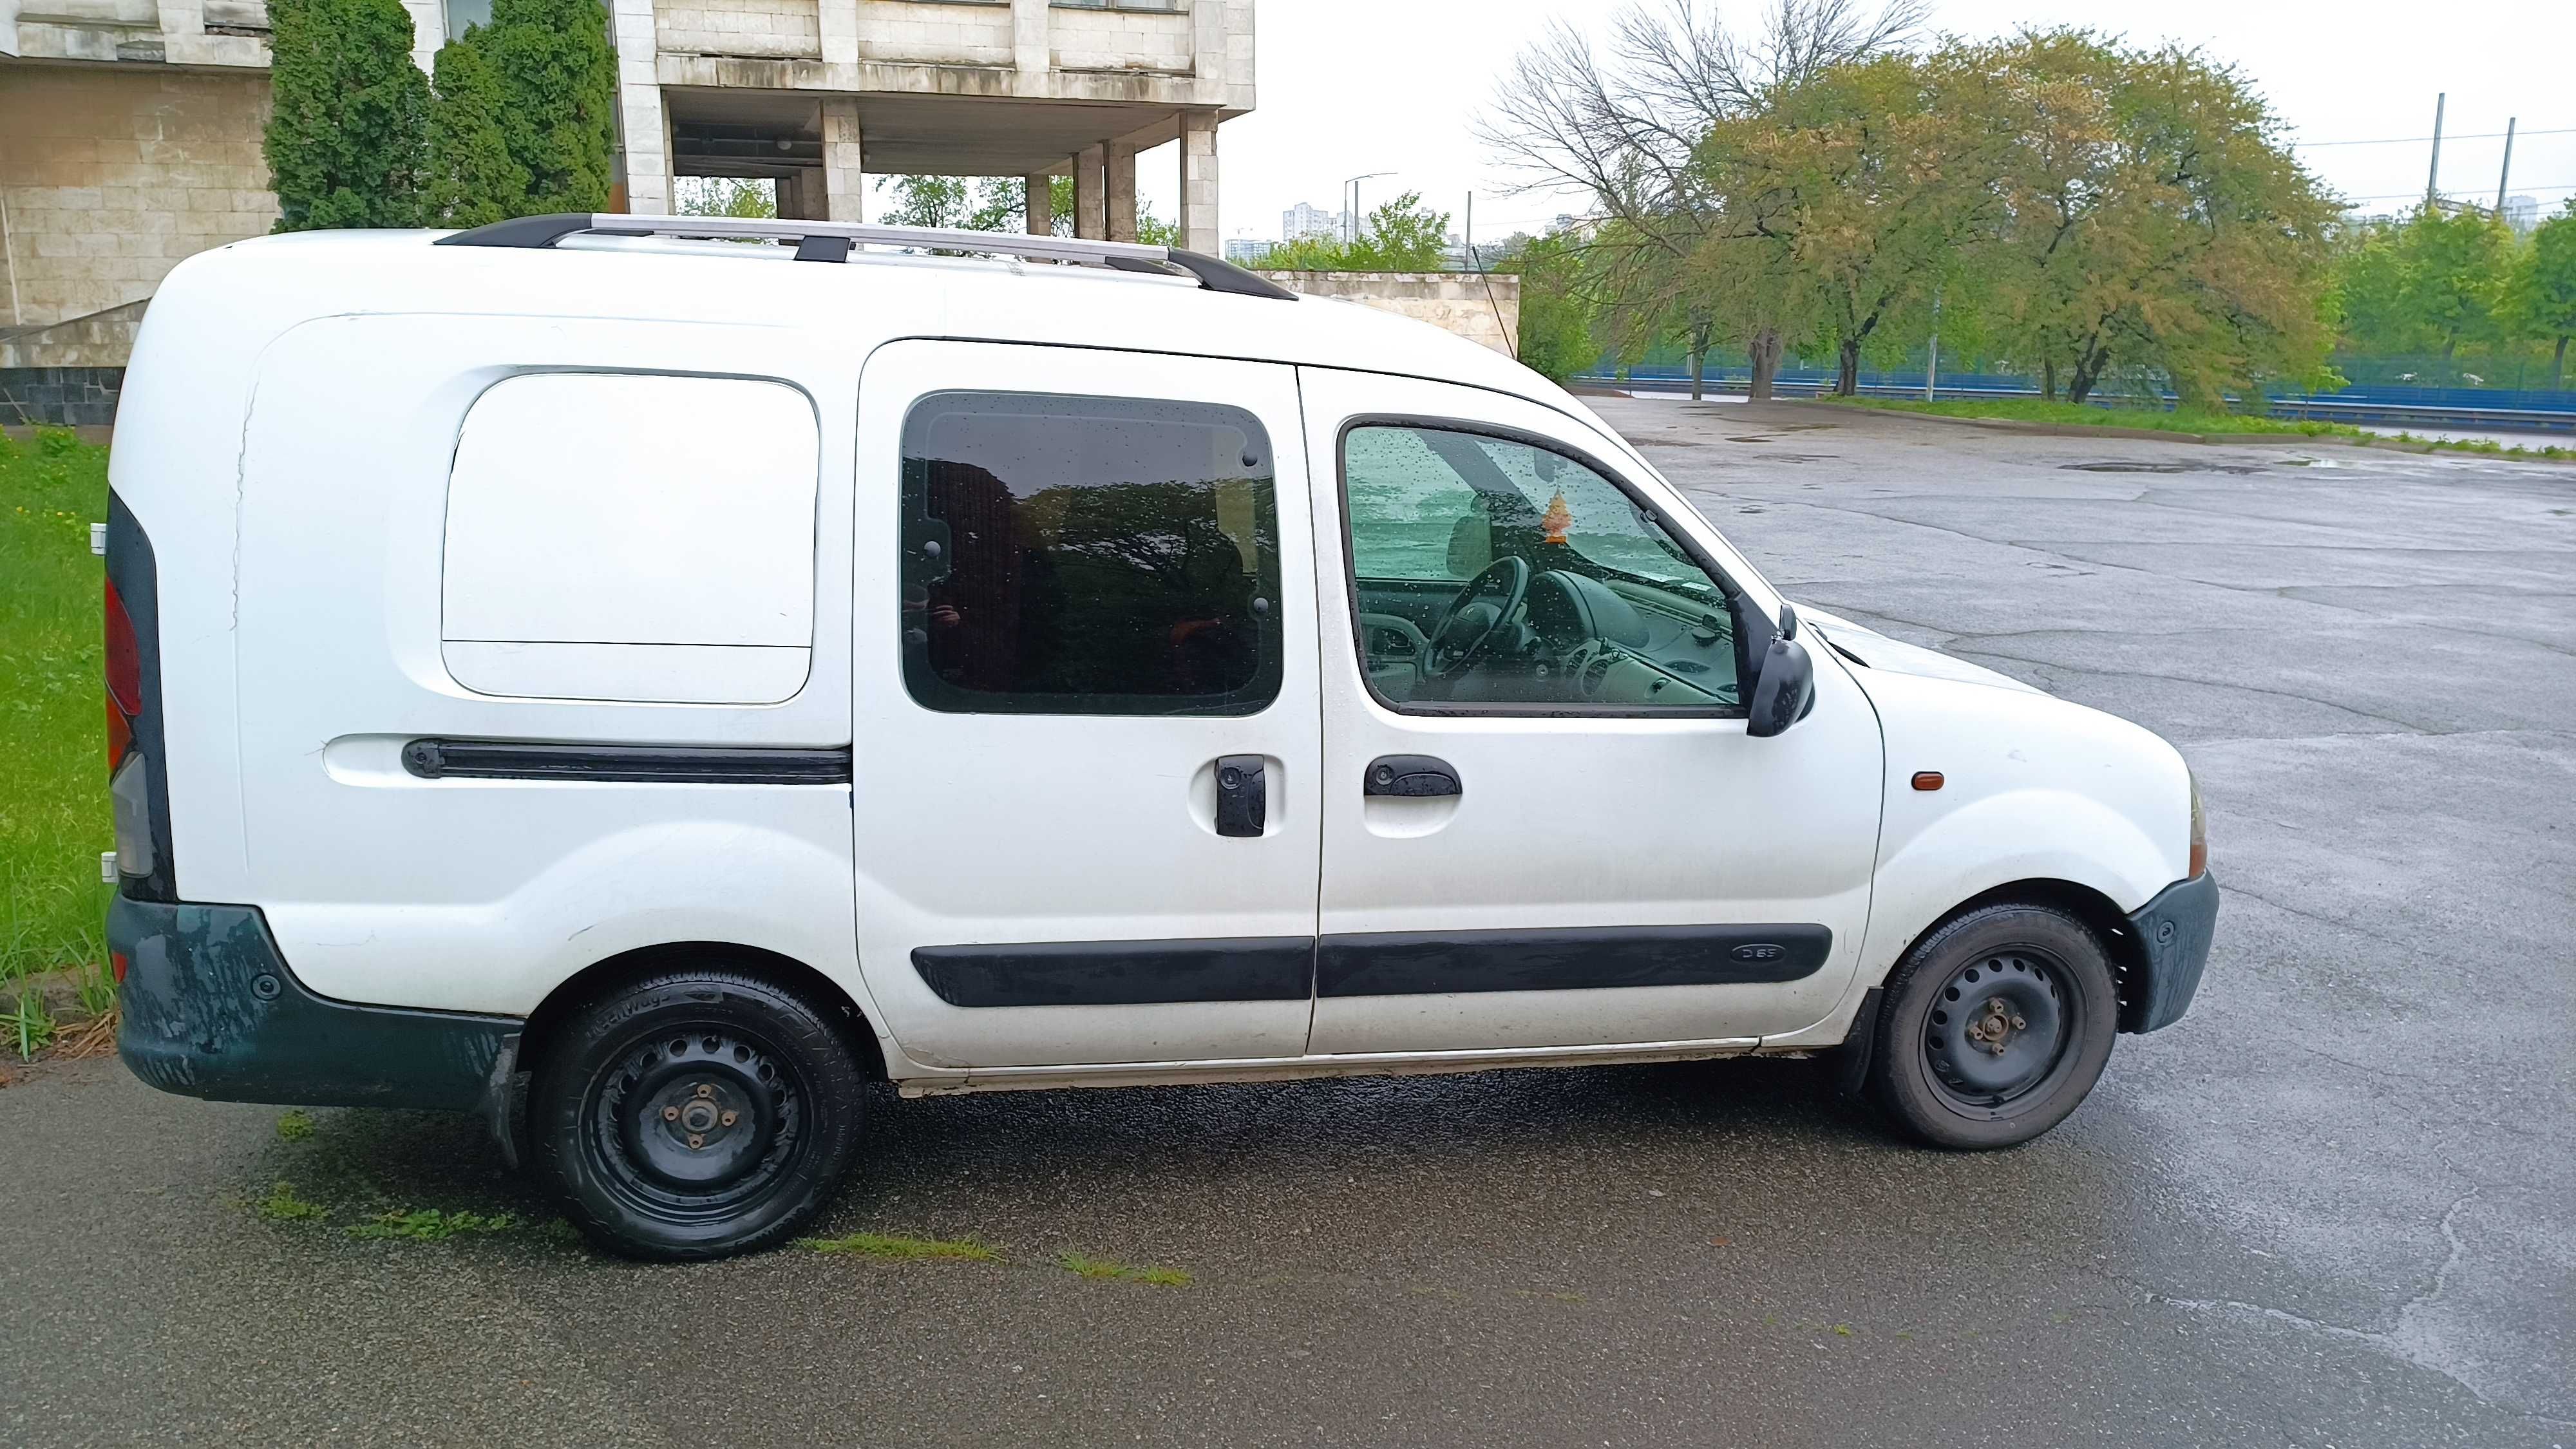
2544	290
346	139
473	178
1401	236
1556	313
2455	269
726	196
558	76
2152	220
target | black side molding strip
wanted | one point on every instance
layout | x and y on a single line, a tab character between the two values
680	764
1419	963
1120	973
520	231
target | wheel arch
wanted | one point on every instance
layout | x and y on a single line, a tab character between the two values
613	973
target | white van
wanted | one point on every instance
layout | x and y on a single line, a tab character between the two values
646	679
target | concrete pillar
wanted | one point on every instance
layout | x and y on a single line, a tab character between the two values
1197	221
800	196
1041	204
1120	182
1090	211
1032	48
643	122
838	29
844	175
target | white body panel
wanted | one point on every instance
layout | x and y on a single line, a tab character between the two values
294	412
1572	821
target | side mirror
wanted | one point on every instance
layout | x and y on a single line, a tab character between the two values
1786	685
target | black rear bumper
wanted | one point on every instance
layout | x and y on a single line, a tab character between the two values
2173	933
212	1011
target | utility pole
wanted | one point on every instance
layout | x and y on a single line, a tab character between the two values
2506	175
1932	373
2433	181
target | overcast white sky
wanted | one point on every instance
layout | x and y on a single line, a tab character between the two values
1348	86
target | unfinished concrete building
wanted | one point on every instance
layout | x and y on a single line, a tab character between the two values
130	130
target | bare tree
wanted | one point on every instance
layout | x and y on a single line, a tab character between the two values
1625	130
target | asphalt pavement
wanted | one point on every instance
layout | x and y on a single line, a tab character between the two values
2333	1206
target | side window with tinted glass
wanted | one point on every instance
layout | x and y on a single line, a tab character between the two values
1084	555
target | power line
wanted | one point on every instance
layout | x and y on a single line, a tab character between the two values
2419	140
2398	195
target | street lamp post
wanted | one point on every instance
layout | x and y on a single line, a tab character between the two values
1351	189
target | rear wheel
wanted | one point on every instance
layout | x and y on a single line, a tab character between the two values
696	1114
1994	1028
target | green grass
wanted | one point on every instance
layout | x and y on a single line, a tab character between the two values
2035	410
53	788
1089	1267
429	1225
295	1125
282	1205
882	1245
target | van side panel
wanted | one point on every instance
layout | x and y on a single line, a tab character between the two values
383	884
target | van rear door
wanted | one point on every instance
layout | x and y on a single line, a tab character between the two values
1086	802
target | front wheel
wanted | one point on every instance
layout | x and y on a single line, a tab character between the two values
1994	1028
696	1114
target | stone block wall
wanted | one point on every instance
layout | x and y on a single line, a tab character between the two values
790	29
1484	309
935	33
1149	40
60	397
110	177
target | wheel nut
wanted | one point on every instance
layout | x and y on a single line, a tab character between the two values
729	1117
670	1114
705	1090
696	1140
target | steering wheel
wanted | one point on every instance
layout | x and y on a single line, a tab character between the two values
1469	625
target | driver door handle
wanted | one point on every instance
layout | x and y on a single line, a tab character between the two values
1412	775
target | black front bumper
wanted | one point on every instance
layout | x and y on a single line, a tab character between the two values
2173	933
211	1010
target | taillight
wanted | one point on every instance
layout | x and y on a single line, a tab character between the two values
124	679
2199	835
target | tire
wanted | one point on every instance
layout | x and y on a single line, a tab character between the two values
696	1114
1994	1028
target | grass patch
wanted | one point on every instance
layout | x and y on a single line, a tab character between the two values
1089	1267
53	760
283	1206
884	1245
2037	410
295	1125
429	1225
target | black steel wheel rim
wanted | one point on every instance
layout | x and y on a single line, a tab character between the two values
694	1123
2001	1029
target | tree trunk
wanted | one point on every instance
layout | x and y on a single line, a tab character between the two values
1698	357
1766	363
1847	374
2048	380
1703	332
2079	384
2558	366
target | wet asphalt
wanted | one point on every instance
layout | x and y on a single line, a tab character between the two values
2333	1206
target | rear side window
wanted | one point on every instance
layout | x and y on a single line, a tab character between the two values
1085	555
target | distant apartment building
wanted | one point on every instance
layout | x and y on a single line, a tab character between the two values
2522	213
1305	220
1246	251
130	130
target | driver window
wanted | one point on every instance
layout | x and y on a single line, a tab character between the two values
1490	571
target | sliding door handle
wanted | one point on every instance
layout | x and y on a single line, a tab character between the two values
1410	775
1242	795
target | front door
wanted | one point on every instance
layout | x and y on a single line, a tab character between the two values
1545	825
1086	796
